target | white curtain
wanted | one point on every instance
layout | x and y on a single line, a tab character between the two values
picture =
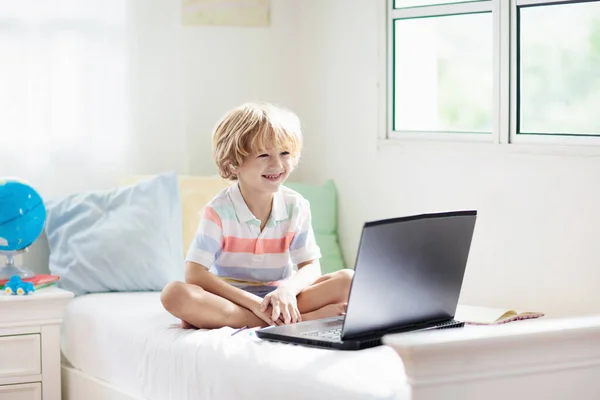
89	91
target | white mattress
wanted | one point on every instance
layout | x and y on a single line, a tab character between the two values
130	341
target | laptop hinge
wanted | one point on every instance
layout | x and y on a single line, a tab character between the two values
403	328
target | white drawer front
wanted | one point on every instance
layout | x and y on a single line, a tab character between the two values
19	355
28	391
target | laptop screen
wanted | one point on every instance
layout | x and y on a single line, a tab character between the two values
408	271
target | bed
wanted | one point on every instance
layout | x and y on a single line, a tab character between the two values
124	346
127	343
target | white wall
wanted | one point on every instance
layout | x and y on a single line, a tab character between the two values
226	66
535	240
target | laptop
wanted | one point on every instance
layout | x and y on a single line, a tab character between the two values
407	277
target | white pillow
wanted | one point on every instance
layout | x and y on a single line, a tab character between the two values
124	239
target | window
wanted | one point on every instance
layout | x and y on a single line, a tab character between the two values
518	71
443	82
63	79
559	69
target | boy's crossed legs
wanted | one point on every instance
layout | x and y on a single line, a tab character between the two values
327	297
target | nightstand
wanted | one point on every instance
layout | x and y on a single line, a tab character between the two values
30	344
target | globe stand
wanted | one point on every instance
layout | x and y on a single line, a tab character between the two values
9	269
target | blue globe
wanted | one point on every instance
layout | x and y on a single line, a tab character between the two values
22	215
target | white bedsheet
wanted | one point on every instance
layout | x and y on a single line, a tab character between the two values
130	341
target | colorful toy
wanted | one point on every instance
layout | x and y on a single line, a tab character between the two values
16	286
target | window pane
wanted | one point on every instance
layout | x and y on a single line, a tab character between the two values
560	69
443	73
417	3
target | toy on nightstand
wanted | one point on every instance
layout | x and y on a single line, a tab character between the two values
16	286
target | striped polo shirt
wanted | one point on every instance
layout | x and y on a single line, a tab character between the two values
230	244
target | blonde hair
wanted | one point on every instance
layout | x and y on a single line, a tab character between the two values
252	128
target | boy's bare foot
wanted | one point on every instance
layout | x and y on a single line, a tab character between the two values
330	310
187	325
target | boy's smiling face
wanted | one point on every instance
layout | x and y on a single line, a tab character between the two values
266	170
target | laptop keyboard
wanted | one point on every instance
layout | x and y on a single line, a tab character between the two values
334	334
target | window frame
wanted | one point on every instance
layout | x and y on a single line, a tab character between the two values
505	70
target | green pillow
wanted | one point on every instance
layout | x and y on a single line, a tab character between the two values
332	259
323	204
323	207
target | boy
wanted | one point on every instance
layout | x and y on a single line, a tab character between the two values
239	266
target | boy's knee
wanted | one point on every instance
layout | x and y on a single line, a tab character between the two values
172	295
345	277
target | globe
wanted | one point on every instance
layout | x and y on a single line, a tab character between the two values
22	219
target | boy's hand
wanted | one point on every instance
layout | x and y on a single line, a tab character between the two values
265	315
284	304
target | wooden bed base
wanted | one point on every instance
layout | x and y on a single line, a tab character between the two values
543	359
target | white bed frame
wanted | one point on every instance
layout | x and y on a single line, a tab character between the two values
546	359
537	359
77	385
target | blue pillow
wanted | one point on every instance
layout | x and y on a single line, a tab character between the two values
125	239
